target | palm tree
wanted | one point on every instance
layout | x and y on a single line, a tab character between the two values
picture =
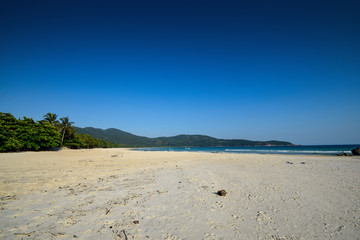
51	118
65	125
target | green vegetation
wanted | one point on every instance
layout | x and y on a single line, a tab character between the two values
128	139
27	135
65	127
51	119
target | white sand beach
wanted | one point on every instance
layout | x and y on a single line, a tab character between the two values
124	194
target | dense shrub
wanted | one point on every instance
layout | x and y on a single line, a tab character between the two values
26	134
86	141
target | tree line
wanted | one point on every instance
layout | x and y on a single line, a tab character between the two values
50	133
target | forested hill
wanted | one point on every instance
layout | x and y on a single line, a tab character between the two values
120	137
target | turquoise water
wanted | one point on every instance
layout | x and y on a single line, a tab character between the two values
304	150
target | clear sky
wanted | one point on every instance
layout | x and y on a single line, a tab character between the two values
257	70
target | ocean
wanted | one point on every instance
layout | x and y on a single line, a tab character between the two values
293	150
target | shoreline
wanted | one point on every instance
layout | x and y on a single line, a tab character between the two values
327	150
102	193
243	153
230	153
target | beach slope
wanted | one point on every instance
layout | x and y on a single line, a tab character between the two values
124	194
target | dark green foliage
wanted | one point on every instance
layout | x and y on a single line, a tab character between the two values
26	134
86	141
115	136
90	142
66	129
74	143
128	139
51	118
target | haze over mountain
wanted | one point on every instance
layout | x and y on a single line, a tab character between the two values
121	137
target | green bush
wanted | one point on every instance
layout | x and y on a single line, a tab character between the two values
26	134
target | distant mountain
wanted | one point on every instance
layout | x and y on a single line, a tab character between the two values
114	135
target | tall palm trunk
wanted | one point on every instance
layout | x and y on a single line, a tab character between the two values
65	123
62	139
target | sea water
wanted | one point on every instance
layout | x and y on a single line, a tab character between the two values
303	150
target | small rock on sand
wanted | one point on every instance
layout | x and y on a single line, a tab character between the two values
356	151
221	193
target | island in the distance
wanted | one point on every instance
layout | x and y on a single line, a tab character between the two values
117	136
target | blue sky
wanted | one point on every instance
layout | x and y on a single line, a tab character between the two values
258	70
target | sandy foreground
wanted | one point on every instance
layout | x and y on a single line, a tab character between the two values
102	193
